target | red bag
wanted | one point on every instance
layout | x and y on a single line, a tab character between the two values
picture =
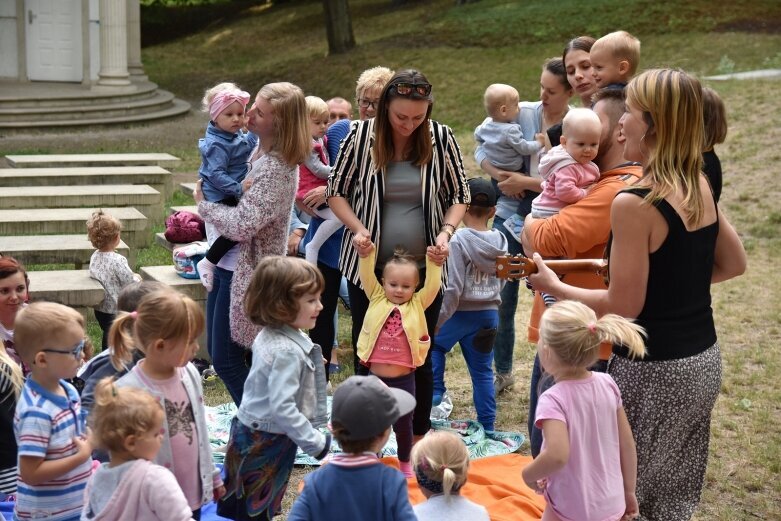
184	227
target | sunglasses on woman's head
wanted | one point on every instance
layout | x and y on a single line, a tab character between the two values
408	89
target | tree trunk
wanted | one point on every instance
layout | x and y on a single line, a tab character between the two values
338	26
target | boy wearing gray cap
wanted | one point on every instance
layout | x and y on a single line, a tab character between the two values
470	307
355	484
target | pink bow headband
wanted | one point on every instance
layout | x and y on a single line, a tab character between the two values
224	99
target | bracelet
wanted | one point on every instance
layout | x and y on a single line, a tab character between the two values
446	229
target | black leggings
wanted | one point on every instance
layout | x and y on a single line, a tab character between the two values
424	376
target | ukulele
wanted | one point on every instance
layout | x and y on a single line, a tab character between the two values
515	267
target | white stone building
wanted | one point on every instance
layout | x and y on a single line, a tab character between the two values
75	62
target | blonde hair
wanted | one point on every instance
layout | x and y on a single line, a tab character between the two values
498	94
161	315
442	456
714	117
102	229
422	148
579	117
39	324
371	79
573	331
119	412
671	102
12	370
401	257
292	141
277	284
316	107
209	95
622	46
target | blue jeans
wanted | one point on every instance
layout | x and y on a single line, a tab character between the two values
227	356
505	334
541	382
461	328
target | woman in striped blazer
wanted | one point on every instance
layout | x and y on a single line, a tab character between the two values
399	180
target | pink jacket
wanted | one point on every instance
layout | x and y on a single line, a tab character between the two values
564	182
314	171
147	491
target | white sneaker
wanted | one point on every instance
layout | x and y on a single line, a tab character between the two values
206	272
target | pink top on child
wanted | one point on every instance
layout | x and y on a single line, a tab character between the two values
392	346
311	171
591	485
564	182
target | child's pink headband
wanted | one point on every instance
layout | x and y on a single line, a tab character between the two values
222	101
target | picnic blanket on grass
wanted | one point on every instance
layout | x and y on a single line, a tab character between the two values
480	443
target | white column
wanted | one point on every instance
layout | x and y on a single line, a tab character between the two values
113	43
134	65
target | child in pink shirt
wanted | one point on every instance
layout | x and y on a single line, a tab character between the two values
394	339
587	469
567	169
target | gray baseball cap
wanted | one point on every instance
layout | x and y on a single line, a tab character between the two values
365	407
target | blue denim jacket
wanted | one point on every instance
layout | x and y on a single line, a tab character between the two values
224	162
285	390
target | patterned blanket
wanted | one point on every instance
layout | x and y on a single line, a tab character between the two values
480	443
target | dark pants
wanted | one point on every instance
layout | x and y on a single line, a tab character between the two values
324	331
541	382
403	426
424	376
104	320
227	356
197	514
222	245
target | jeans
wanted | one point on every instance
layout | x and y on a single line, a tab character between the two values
461	328
324	331
505	334
541	382
227	356
359	303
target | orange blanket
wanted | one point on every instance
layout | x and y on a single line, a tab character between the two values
494	482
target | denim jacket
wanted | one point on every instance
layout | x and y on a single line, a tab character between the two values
285	390
191	379
224	162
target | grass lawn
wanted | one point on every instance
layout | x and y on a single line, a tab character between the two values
461	50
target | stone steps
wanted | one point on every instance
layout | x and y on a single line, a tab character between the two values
187	188
144	198
55	249
193	209
72	288
94	106
71	160
39	221
155	176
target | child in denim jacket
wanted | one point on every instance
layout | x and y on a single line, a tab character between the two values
284	396
225	152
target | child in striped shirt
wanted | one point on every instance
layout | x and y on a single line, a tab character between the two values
54	451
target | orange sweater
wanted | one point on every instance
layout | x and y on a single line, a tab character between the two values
580	231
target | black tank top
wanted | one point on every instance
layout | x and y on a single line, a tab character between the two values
677	312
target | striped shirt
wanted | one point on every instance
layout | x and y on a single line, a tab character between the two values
357	179
45	425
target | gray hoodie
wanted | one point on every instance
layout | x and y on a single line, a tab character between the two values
471	267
